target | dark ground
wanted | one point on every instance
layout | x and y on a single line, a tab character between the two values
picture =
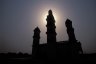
26	59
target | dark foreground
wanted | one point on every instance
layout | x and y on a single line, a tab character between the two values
85	58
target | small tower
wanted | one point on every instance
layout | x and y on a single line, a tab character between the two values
70	31
36	39
75	46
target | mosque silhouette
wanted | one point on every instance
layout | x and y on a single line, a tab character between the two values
53	49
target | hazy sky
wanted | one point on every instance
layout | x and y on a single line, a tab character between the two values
18	18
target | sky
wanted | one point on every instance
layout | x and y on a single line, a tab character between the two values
18	19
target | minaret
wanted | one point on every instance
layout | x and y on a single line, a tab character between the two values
51	36
70	31
35	45
51	33
75	46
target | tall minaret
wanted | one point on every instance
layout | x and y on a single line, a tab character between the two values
51	36
51	33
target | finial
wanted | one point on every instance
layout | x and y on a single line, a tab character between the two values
37	29
50	11
68	21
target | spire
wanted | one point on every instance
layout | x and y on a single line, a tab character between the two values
37	29
50	12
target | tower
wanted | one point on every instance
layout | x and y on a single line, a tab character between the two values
51	36
51	33
70	31
36	38
75	46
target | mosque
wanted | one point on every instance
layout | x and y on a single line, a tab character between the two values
53	49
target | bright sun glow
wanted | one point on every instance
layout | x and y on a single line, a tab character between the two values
44	16
43	13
